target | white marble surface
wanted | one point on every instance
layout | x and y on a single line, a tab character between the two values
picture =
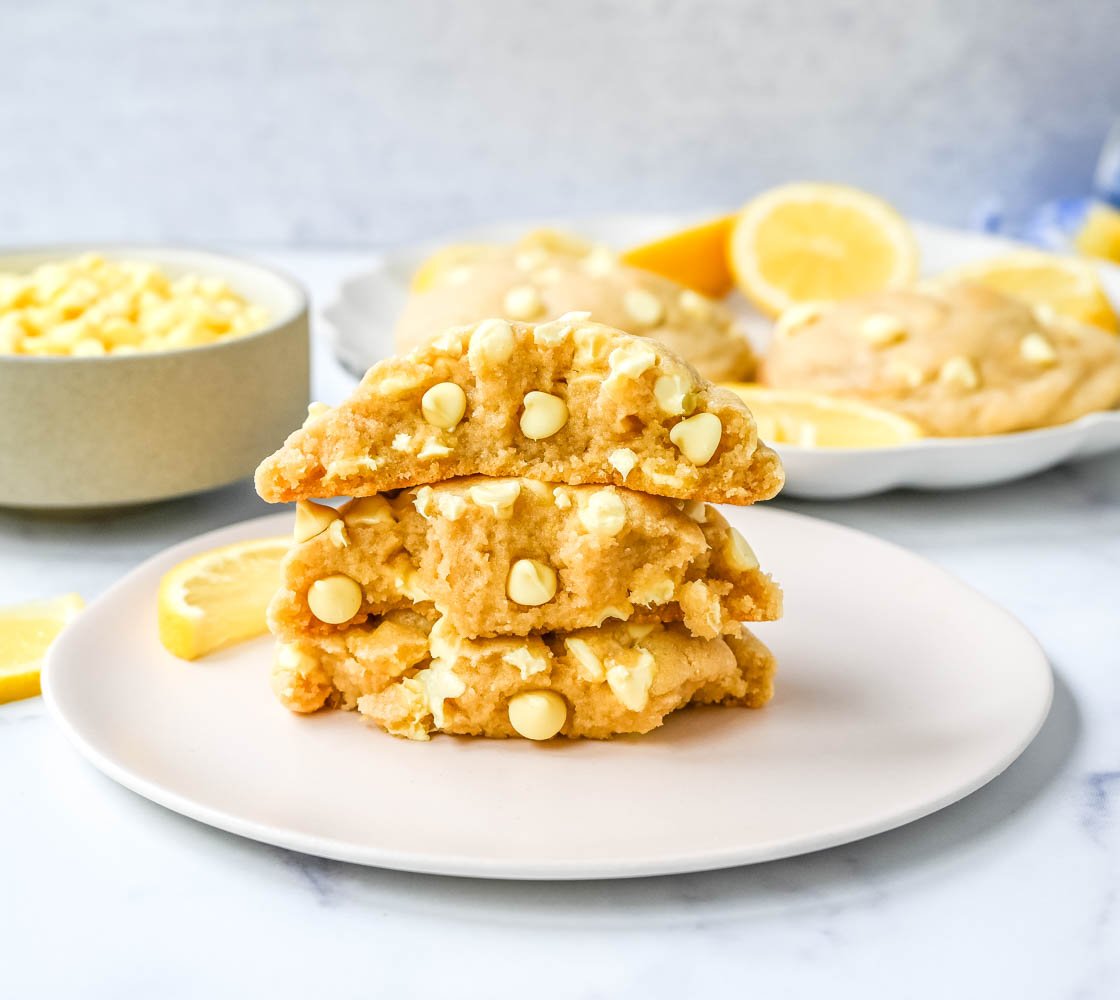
1011	893
352	121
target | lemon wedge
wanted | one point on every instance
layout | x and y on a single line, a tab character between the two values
818	242
26	631
813	420
219	598
1067	285
695	257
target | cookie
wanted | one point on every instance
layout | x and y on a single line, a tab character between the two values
569	401
959	359
513	556
413	678
546	275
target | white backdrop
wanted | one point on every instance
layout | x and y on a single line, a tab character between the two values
359	122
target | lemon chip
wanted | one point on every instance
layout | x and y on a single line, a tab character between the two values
818	242
695	257
813	420
26	632
1068	286
219	598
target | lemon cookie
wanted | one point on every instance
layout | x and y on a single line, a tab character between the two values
512	556
412	678
958	359
568	401
548	274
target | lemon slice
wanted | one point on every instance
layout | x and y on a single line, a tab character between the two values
818	242
1067	285
218	598
26	631
813	420
694	257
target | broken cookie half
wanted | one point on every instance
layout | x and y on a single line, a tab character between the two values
568	401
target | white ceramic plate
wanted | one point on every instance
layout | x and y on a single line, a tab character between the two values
900	690
366	307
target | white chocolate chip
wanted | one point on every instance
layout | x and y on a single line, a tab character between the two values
882	329
639	630
459	275
697	510
674	394
623	461
695	304
443	405
905	372
531	583
599	262
795	317
959	371
631	360
604	514
543	416
433	449
402	442
526	661
614	612
334	599
1045	314
631	683
344	468
422	501
367	510
697	437
440	683
450	506
561	498
451	343
537	715
537	488
522	302
314	412
338	535
551	334
491	345
739	555
312	519
643	307
589	665
499	495
398	382
659	592
1037	349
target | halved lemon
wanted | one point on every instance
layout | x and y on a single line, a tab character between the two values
813	420
818	242
218	598
695	257
26	632
1067	285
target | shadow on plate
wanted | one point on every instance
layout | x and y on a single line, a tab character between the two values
920	850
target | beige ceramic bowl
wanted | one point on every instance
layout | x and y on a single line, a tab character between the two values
104	431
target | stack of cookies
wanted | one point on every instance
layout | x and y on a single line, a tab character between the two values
529	549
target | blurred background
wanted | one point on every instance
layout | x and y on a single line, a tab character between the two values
353	122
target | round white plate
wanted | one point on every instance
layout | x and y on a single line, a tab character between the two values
365	309
899	691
